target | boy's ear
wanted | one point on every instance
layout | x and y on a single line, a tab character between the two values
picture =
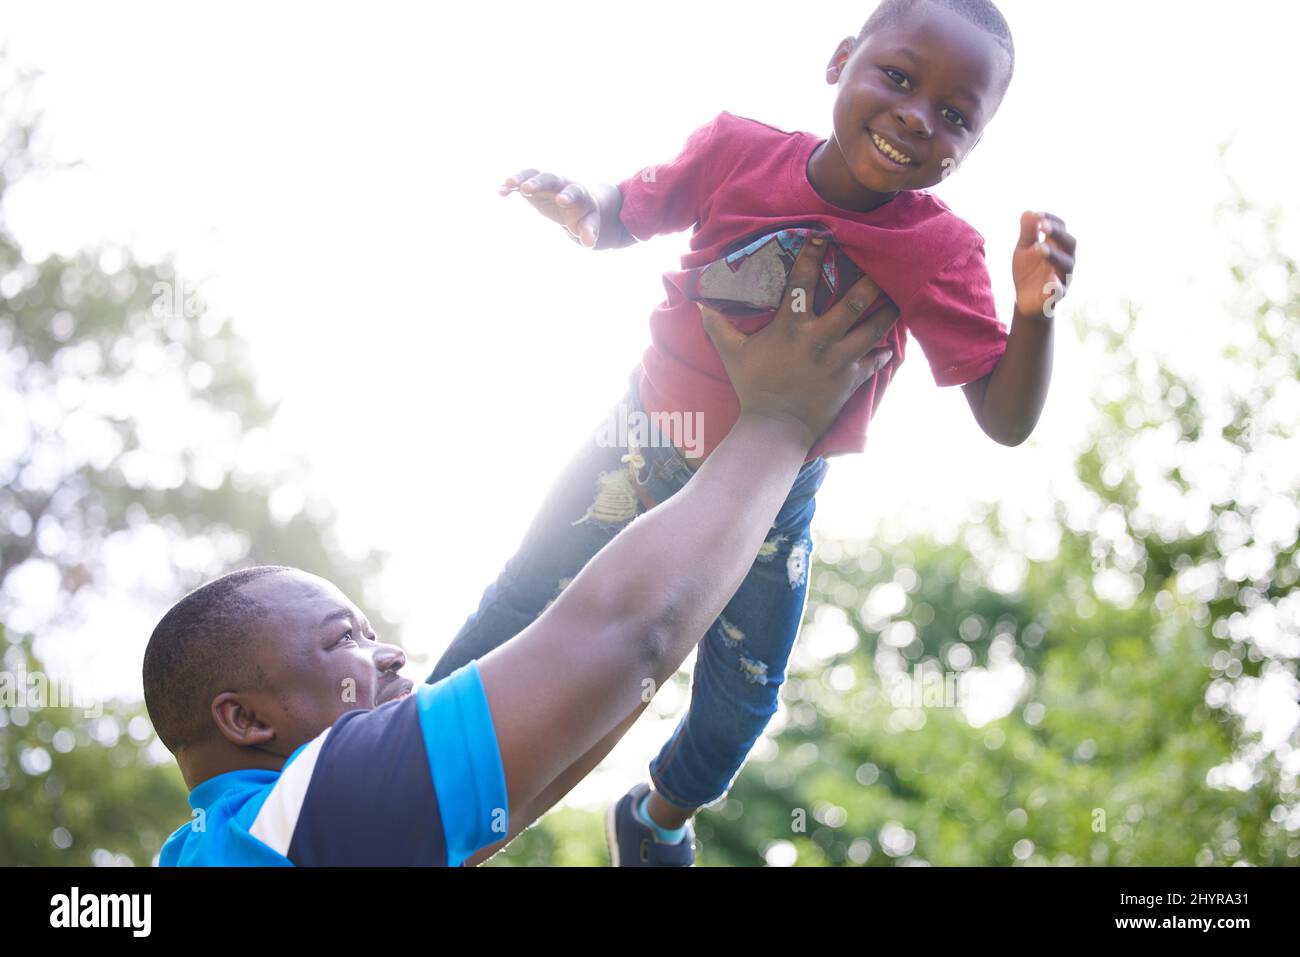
841	55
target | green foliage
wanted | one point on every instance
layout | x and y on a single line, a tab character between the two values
132	426
82	785
567	837
1118	672
1132	654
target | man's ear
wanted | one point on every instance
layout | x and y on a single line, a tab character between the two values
237	722
841	55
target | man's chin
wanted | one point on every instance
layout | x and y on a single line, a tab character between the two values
395	692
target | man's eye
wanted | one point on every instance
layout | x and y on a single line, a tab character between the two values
347	636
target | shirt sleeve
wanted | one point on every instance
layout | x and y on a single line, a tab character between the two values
464	761
415	782
667	198
954	318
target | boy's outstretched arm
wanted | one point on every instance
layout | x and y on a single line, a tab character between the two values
595	658
1008	401
610	202
590	216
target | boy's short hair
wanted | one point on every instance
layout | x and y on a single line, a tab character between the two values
199	649
982	13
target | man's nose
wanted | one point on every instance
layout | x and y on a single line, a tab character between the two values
389	658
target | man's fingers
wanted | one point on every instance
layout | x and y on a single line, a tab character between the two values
858	342
726	338
802	286
841	316
870	365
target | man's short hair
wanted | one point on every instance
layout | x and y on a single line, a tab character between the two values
982	13
199	649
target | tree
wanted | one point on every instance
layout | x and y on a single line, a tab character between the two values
1099	709
132	436
1139	647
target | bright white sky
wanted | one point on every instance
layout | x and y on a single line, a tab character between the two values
442	350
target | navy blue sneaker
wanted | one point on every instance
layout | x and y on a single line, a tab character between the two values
633	844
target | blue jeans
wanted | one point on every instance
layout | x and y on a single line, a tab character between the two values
741	661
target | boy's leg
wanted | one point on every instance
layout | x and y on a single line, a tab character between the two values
739	669
592	500
553	551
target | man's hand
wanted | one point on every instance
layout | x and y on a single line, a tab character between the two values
560	200
1041	270
801	366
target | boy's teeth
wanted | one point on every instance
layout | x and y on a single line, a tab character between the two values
889	151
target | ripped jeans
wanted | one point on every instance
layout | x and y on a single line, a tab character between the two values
740	663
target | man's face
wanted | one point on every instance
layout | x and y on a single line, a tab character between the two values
316	657
922	90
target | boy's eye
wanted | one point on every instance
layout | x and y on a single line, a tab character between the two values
347	636
895	75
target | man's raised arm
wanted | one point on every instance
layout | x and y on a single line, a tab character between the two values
629	619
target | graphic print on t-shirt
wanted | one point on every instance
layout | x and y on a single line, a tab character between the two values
753	278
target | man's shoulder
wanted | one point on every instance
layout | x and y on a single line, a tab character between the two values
415	781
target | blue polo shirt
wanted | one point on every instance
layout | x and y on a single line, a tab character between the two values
412	782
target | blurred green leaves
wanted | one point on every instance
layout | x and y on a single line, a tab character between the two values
1130	699
1130	702
136	462
78	786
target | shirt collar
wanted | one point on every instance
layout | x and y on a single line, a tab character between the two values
214	788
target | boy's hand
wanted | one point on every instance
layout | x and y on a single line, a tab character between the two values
559	200
1041	270
801	366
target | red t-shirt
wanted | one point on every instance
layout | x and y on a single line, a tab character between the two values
737	179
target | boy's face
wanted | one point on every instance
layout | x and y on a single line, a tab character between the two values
927	86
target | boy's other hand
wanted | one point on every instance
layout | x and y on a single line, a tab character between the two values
801	366
559	200
1042	270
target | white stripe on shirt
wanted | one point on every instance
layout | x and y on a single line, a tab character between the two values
275	822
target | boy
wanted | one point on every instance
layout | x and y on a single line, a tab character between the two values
917	88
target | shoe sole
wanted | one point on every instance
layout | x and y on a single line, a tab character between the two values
611	834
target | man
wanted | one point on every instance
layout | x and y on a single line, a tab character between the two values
301	743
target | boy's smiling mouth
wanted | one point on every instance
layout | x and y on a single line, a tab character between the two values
889	150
